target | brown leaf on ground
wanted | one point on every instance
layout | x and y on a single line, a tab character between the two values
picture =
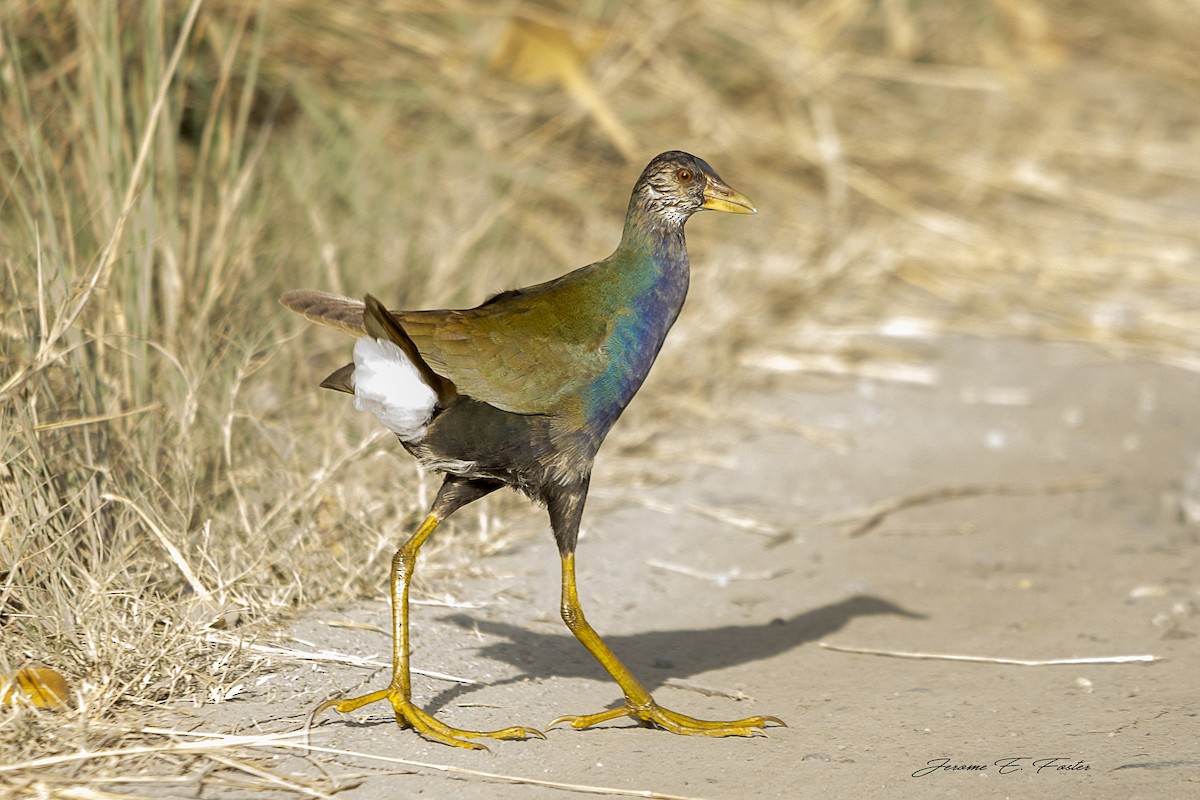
42	687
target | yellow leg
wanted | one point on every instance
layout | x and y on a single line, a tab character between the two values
638	702
399	691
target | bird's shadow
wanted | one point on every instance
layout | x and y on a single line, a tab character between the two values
657	656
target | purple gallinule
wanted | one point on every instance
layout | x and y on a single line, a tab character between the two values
521	391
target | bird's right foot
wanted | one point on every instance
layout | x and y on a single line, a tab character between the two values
654	715
424	723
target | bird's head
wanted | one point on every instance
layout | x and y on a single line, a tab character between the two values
677	184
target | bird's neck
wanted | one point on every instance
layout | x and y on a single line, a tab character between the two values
652	266
655	234
653	262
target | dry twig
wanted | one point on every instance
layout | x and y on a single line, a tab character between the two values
1020	662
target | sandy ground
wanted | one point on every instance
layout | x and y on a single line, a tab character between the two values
723	620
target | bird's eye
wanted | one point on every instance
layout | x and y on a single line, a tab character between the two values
684	175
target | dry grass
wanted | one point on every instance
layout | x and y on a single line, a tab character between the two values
1013	166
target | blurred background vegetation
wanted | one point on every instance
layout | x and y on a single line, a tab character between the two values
170	476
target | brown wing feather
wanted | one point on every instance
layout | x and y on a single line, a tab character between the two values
331	310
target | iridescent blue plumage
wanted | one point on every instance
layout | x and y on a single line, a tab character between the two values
654	281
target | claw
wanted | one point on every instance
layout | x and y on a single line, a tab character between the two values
424	723
655	715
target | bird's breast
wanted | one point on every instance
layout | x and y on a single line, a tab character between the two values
639	328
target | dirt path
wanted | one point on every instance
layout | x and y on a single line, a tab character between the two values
724	620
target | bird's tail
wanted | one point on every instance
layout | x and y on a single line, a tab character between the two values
390	379
380	324
331	310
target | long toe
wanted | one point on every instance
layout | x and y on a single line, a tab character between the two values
656	716
424	723
581	721
344	705
435	730
690	726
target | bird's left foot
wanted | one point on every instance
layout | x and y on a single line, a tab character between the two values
654	715
424	723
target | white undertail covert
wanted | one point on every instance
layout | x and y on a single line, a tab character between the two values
388	385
